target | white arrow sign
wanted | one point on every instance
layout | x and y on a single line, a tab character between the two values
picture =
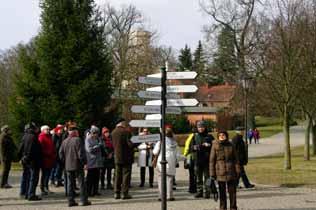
156	95
175	102
146	138
154	109
176	75
176	89
153	117
149	80
145	123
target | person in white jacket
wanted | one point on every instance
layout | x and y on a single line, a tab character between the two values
145	155
172	155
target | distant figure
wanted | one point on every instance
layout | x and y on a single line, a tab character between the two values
145	160
256	135
250	135
7	151
225	168
240	147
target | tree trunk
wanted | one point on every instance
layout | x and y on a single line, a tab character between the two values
286	131
307	138
313	137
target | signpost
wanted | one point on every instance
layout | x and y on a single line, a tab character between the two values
146	138
154	109
167	103
175	102
156	95
176	89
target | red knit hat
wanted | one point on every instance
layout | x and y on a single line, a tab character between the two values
104	130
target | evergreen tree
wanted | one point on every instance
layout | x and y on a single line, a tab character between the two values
199	64
185	59
225	62
70	71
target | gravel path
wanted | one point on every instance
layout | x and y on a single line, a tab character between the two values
259	198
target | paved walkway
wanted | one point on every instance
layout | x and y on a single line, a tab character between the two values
260	198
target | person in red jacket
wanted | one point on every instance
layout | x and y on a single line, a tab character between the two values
49	157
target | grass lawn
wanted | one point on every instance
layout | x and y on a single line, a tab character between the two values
268	126
269	170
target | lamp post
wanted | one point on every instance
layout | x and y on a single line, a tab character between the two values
245	84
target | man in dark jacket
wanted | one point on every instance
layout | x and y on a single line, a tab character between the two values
200	148
30	153
73	155
7	151
240	148
123	157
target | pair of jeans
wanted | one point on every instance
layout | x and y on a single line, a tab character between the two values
57	173
25	181
45	178
143	174
71	182
192	179
33	181
202	172
108	172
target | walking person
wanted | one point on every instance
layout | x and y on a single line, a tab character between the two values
145	155
250	135
240	148
256	135
49	157
7	151
30	153
72	153
108	163
224	167
123	157
200	148
172	154
94	148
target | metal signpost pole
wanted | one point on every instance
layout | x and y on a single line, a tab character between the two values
163	141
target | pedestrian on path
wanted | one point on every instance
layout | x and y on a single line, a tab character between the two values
256	135
224	167
123	156
240	148
172	154
145	156
250	135
189	164
7	151
72	153
108	163
200	148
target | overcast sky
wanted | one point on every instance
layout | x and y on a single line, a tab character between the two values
178	22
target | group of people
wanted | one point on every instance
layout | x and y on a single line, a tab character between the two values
253	134
63	156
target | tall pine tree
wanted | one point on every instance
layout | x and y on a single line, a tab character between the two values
225	61
71	71
199	64
185	59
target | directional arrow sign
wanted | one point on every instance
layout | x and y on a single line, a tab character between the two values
156	95
145	123
175	102
149	80
176	75
146	138
176	89
153	117
154	109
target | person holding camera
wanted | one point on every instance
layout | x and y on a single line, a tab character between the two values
200	149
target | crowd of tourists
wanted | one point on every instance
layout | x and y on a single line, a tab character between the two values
64	157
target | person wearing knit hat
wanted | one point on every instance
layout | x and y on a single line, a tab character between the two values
7	149
108	164
200	149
